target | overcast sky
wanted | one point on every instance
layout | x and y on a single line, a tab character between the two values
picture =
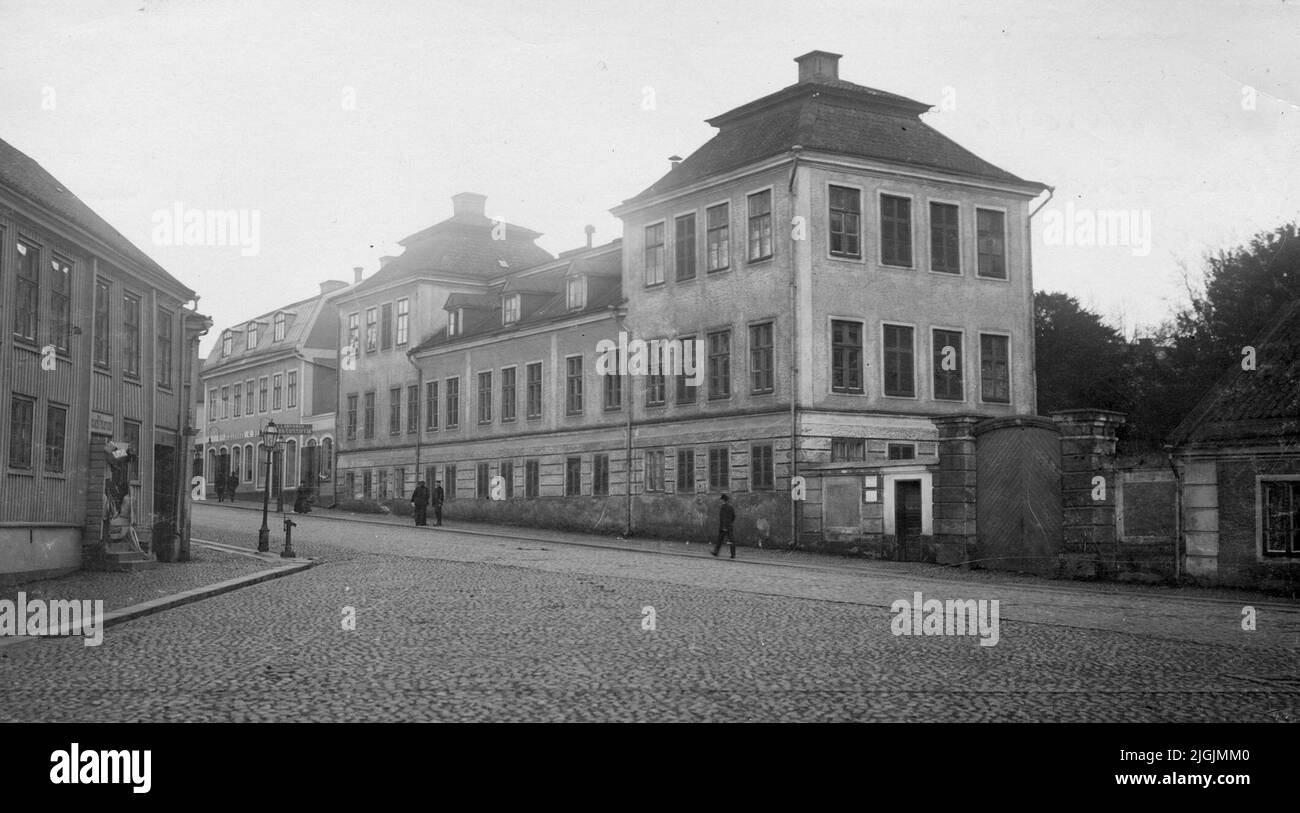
346	126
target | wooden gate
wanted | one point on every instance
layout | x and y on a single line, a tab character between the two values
1018	494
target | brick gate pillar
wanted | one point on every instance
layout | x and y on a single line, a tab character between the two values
955	531
1089	546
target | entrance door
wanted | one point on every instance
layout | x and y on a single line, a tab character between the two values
907	519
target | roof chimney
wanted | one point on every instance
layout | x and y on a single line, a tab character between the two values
590	230
468	204
674	160
329	286
818	65
356	273
385	260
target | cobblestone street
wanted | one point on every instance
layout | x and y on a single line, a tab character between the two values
457	626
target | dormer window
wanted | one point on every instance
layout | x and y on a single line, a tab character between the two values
278	336
577	293
510	309
252	335
456	322
227	343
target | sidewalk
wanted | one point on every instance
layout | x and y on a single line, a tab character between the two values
212	570
781	556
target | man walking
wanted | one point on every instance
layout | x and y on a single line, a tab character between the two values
420	499
726	518
437	502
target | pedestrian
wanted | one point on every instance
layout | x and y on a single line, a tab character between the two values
420	499
437	502
221	487
302	499
232	485
726	518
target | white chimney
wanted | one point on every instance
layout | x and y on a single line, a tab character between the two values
816	65
590	230
674	160
356	273
469	204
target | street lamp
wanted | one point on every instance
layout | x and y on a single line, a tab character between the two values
270	437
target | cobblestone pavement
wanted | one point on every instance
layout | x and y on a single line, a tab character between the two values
458	626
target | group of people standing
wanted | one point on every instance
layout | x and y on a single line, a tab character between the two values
226	485
421	498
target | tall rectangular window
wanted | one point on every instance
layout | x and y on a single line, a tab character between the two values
719	469
655	388
718	238
412	409
354	332
277	334
846	222
386	326
60	303
352	417
131	434
948	362
102	326
761	375
510	306
394	410
225	402
383	484
508	477
573	476
995	369
575	293
163	362
368	416
686	391
431	405
250	336
509	395
237	393
277	391
367	484
481	480
945	238
1280	520
449	489
227	343
485	397
684	246
719	364
573	385
532	479
214	401
131	335
249	406
403	321
21	420
900	361
654	254
991	240
760	225
534	387
27	292
895	230
762	472
453	403
372	330
291	389
686	471
600	475
56	434
612	386
846	356
654	470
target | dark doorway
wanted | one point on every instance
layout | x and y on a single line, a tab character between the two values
907	519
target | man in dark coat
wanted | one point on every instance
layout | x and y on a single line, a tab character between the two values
726	518
302	499
420	499
437	502
232	485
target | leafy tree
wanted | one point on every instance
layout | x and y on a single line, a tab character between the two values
1081	361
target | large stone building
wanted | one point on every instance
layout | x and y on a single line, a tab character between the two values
846	274
281	366
97	358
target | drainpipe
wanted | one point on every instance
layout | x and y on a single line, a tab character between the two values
794	362
1031	355
419	430
1178	514
620	313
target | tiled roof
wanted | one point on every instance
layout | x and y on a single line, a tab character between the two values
604	289
1263	403
29	179
828	115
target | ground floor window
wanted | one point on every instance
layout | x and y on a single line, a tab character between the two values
573	476
481	481
719	469
762	470
686	471
600	475
1280	503
532	479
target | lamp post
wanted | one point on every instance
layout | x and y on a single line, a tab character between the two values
269	439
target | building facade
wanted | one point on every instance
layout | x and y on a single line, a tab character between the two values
281	366
99	349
